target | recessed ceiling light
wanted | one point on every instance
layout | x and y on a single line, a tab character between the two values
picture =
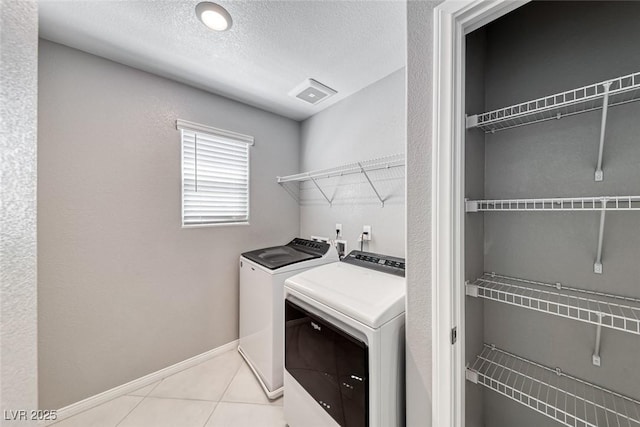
213	16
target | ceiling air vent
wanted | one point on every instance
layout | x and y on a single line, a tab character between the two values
312	92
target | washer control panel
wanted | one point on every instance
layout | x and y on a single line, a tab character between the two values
312	246
378	262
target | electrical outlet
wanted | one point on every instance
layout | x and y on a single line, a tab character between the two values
366	232
338	230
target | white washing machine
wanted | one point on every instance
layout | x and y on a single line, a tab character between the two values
344	344
262	276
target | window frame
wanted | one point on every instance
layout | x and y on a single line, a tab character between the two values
196	128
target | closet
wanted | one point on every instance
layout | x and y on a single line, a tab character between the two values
552	217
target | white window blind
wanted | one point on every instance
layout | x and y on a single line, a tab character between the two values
215	175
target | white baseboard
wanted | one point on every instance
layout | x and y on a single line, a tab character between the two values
121	390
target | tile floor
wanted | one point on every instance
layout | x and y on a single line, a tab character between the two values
221	392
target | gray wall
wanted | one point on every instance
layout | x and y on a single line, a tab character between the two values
18	145
419	145
368	124
123	289
542	48
474	224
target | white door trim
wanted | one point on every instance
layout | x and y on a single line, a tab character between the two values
453	20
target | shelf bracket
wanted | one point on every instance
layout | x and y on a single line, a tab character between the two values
320	189
471	289
472	121
470	205
596	352
597	266
599	176
471	375
364	172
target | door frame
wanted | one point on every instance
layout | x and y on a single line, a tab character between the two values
453	19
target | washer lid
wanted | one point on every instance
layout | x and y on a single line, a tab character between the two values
368	296
278	256
295	251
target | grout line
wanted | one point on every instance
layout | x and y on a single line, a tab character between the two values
132	409
181	398
224	392
209	417
156	386
95	407
149	392
138	404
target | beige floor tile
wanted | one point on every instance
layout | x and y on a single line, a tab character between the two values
245	388
157	412
206	381
246	415
144	390
106	415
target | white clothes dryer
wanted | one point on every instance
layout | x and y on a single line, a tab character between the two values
262	276
344	344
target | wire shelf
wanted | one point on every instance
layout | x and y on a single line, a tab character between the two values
568	400
598	308
363	167
587	98
387	162
608	203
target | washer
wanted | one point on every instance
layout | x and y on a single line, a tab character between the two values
262	276
344	343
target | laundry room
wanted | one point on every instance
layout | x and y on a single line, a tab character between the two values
169	146
319	213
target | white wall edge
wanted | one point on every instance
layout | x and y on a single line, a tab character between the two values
121	390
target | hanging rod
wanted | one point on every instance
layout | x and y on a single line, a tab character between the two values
566	399
387	162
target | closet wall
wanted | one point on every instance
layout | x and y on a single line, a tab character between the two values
474	224
540	49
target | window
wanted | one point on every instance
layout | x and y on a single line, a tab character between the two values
215	175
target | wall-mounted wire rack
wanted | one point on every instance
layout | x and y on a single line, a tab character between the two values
601	95
620	90
568	400
600	204
363	167
609	203
597	308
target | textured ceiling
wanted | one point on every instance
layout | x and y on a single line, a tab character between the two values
272	47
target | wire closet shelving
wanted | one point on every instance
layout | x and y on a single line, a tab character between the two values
620	90
598	308
602	95
608	203
601	204
363	167
570	401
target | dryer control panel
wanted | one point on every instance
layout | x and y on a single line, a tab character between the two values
378	262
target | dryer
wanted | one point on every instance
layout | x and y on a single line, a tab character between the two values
262	276
344	343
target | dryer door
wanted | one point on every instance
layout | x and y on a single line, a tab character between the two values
331	365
